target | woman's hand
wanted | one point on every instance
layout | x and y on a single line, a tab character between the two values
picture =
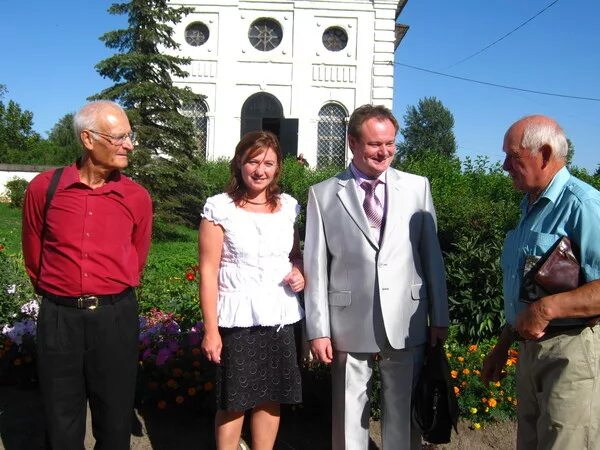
211	346
295	280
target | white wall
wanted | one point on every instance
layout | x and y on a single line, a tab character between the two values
6	175
301	73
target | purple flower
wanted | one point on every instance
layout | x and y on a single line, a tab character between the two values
163	355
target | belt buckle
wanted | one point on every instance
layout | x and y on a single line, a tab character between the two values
87	298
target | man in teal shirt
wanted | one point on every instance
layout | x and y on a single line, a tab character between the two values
558	373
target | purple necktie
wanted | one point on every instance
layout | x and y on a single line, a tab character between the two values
372	212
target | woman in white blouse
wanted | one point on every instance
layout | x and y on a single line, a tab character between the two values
251	270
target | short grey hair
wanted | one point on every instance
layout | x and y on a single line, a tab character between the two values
538	132
87	117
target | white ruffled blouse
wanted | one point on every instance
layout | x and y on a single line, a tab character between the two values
254	261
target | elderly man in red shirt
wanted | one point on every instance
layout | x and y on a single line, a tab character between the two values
85	251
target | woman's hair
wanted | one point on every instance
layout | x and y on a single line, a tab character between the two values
252	144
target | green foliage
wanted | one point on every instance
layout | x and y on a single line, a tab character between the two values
15	287
475	206
17	138
165	284
16	191
295	181
582	174
10	228
428	127
474	280
62	138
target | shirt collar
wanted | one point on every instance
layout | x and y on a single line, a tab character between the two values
71	177
556	186
360	177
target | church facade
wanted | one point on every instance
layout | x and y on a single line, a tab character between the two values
297	68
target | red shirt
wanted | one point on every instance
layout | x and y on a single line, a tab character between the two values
96	240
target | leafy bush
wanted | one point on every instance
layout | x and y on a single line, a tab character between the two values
170	281
16	191
15	287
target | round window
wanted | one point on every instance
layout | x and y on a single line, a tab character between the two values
196	34
335	39
265	34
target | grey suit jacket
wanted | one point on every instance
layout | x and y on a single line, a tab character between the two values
359	292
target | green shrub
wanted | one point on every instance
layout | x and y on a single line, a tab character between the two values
16	191
170	281
15	287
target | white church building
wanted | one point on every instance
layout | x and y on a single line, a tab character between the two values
295	67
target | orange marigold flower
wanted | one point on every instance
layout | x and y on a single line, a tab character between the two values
466	371
476	372
172	383
472	347
456	391
1	247
492	402
454	374
208	386
463	384
460	358
162	404
191	391
448	355
483	400
509	399
497	384
179	399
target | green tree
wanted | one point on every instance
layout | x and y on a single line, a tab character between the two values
142	71
62	138
428	127
570	152
17	137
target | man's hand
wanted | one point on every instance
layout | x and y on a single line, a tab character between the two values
493	364
495	361
437	334
322	350
532	321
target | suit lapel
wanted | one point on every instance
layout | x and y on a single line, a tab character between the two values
348	195
393	212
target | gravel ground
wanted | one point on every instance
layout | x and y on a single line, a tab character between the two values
21	428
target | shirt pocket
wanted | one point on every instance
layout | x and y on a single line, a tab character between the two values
537	244
340	298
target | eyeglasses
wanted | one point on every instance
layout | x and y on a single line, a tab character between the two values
117	140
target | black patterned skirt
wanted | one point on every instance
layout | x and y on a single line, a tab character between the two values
258	365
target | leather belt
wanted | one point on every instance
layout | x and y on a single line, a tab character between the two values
86	301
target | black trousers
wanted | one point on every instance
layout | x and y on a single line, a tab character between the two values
88	355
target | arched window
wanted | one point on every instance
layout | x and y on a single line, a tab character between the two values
331	138
198	113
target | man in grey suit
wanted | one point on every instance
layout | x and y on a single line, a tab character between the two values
375	282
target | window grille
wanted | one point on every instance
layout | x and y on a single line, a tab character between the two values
331	140
198	113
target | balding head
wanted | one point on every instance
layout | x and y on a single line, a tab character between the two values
536	149
536	131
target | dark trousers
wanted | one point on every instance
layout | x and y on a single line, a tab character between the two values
88	355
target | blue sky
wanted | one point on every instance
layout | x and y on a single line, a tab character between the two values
557	52
49	50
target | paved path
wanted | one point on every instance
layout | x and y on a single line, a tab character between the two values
21	427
